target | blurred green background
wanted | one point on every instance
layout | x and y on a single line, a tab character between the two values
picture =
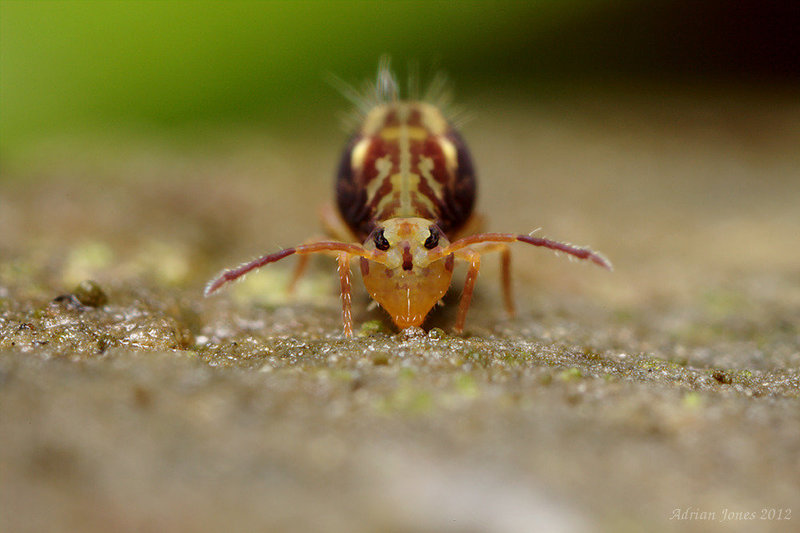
104	66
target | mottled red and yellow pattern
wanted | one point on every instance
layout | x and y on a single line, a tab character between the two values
405	161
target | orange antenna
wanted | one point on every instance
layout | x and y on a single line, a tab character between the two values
312	248
575	251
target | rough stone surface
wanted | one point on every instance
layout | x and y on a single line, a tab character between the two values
128	402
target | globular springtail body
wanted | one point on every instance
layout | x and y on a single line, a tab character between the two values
405	190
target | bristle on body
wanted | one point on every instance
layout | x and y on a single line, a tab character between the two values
385	88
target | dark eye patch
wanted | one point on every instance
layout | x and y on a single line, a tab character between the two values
380	241
433	239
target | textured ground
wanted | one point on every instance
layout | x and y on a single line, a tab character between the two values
612	400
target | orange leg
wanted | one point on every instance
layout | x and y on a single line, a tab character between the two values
333	224
302	265
299	270
505	272
347	304
505	266
474	259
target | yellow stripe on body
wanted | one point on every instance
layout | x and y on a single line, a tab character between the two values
405	200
